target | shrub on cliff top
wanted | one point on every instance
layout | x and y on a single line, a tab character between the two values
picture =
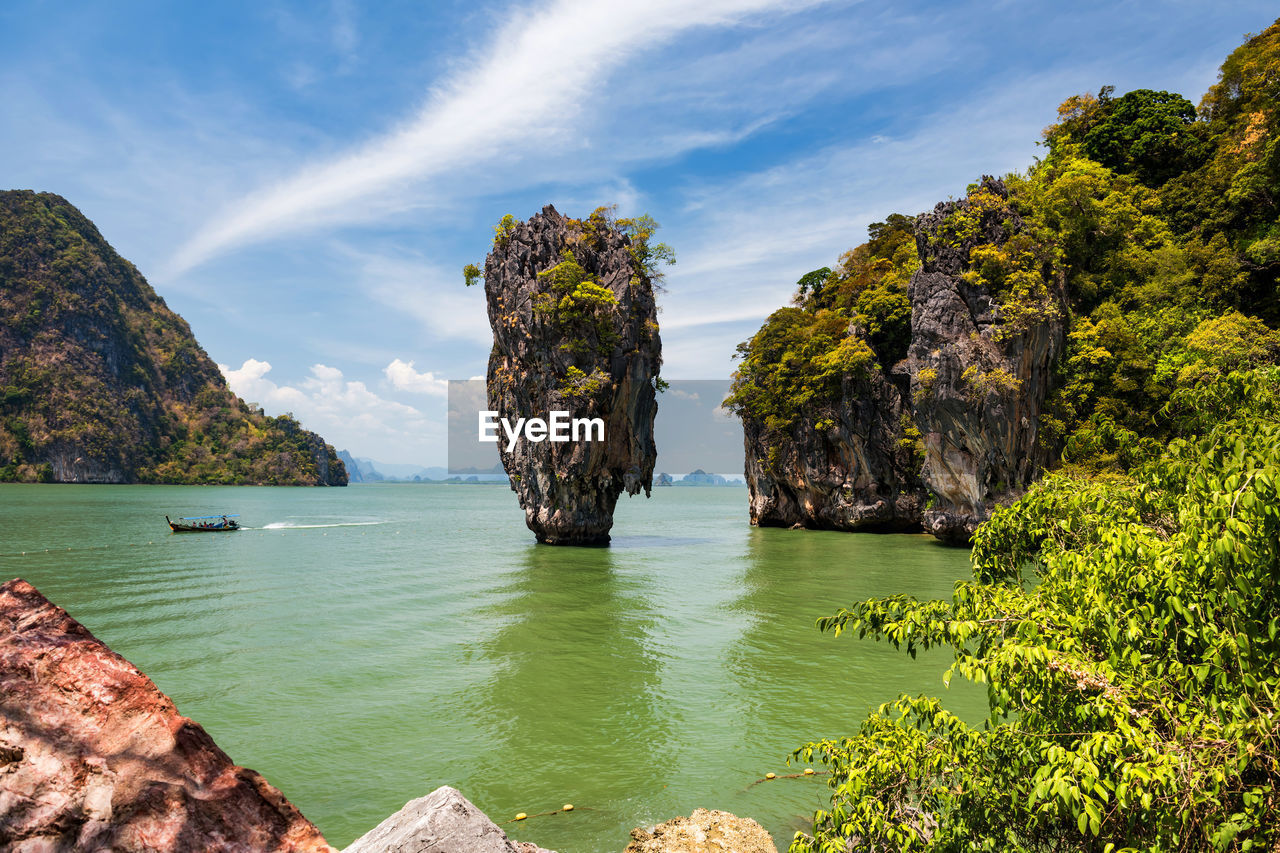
844	322
581	308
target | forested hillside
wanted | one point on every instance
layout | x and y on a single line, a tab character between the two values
101	382
1147	237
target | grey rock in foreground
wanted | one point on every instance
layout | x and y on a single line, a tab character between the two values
575	329
443	821
703	831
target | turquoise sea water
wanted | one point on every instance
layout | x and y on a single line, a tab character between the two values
362	646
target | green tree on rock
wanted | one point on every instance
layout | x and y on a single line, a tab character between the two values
1150	134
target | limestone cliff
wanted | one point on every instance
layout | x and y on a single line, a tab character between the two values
844	465
905	389
575	329
980	370
101	383
824	405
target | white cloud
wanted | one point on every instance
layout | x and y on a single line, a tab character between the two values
345	412
403	377
526	85
249	382
251	371
326	375
410	285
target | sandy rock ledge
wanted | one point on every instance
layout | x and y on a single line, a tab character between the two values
703	831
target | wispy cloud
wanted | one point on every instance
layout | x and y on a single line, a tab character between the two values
345	36
752	236
524	85
410	285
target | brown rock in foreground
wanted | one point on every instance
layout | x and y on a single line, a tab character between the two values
703	832
94	757
443	821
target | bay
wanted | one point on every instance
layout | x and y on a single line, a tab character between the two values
362	646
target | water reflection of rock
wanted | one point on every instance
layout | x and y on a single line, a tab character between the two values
792	578
572	659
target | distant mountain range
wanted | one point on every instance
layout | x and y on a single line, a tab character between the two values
362	470
698	477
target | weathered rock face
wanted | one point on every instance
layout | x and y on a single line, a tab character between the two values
574	329
444	821
703	832
978	382
857	474
939	438
94	757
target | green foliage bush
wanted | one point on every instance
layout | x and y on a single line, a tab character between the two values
1127	631
579	384
1150	134
844	322
1123	614
504	229
471	274
981	384
581	308
649	257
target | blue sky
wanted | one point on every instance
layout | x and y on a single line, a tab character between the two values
304	181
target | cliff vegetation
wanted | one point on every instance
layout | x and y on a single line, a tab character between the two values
1139	258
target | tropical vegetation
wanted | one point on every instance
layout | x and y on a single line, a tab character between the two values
1161	221
1123	615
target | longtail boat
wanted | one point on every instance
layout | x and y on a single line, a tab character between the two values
204	524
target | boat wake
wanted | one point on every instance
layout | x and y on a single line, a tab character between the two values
293	525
